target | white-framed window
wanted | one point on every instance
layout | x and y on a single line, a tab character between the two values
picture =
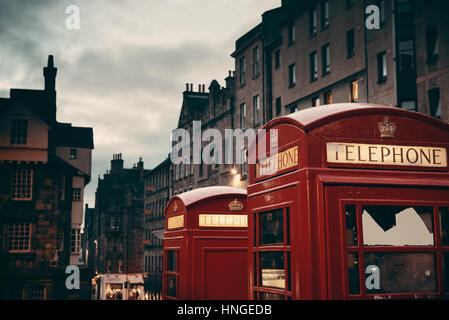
37	292
73	153
19	131
256	105
256	61
22	184
19	237
75	241
243	115
76	194
242	70
120	266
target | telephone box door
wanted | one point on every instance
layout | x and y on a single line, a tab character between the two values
387	242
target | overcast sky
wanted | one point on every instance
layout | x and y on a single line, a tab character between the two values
123	72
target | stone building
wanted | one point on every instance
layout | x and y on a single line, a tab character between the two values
157	194
115	232
44	168
309	53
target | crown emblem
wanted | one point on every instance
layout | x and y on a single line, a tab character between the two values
235	205
387	129
175	207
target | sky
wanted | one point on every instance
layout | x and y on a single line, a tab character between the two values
124	70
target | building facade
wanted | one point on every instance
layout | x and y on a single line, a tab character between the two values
310	53
115	233
157	194
44	168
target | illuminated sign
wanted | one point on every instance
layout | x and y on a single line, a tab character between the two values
223	220
374	154
175	222
277	162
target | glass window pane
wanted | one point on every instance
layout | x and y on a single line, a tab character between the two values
171	286
444	226
351	226
446	271
271	296
397	226
403	272
353	273
287	218
172	260
271	266
271	226
289	274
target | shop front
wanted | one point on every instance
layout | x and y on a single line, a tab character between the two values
118	287
353	205
205	245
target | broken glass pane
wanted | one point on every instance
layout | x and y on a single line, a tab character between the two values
351	226
397	226
404	272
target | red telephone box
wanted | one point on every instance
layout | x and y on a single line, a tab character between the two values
354	205
206	245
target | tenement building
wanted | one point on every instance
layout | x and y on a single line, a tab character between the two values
157	194
309	53
116	237
44	168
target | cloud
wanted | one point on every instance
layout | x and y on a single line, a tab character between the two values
124	70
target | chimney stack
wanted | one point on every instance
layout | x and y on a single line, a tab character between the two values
116	163
50	75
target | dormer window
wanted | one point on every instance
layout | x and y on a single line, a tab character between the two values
19	131
73	154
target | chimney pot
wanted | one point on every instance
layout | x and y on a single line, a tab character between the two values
187	87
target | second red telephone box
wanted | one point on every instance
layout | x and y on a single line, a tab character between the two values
205	245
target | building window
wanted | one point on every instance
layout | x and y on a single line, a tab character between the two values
242	69
22	184
15	293
75	241
434	103
278	107
277	59
381	5
406	56
73	153
315	101
349	4
242	115
324	14
312	22
350	44
326	59
313	66
19	237
256	61
292	75
61	190
328	97
382	67
120	266
294	108
76	194
37	293
432	44
256	108
19	131
354	91
109	265
291	33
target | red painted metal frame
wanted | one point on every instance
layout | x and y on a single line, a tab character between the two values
195	242
310	229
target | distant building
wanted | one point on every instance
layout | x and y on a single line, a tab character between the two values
157	194
44	168
115	233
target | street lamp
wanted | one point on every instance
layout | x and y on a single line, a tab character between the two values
233	171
